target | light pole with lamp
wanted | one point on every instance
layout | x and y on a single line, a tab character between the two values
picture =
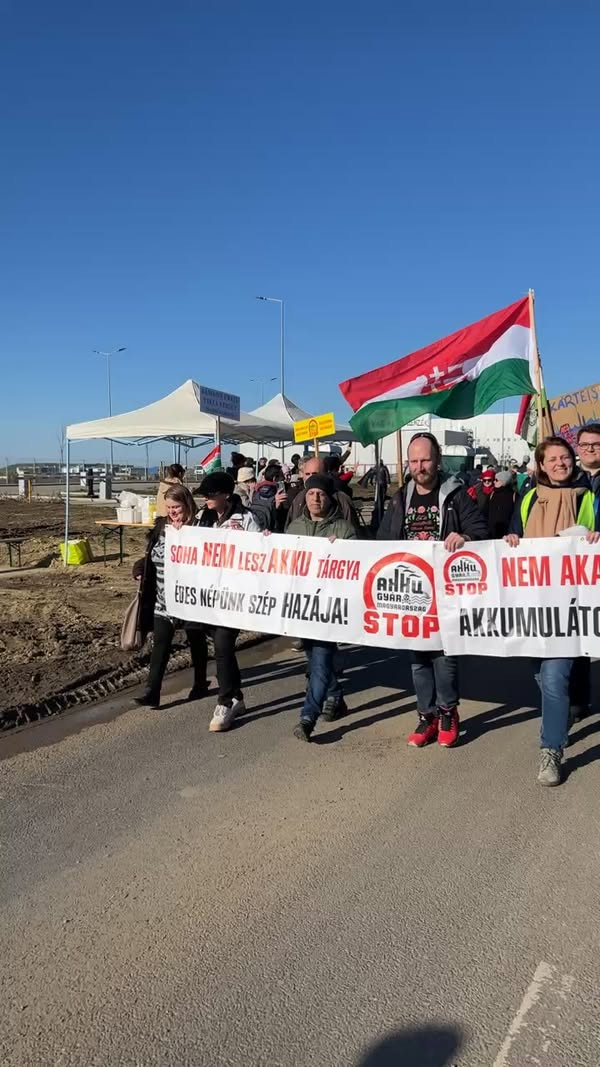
262	382
277	300
113	352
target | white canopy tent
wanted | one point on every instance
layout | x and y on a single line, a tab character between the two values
175	417
283	411
178	416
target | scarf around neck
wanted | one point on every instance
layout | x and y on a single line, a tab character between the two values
554	510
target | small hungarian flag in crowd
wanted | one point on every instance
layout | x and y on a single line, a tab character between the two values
527	420
212	462
457	377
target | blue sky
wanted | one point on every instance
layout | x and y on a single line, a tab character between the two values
393	170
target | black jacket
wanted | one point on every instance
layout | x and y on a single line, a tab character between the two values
500	511
267	513
145	570
460	513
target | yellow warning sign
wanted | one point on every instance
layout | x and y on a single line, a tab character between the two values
317	426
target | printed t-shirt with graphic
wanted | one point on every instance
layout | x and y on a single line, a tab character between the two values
422	521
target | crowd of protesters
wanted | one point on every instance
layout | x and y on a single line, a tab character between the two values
312	496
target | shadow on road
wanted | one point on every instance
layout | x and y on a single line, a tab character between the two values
429	1046
582	759
344	728
506	684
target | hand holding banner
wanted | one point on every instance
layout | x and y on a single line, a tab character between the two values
349	591
539	599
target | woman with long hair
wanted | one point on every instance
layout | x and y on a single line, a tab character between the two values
181	511
559	501
172	475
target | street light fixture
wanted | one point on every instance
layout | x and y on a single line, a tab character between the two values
262	382
277	300
113	352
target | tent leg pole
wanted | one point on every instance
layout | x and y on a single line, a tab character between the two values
68	443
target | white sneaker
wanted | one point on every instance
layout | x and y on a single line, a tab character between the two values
222	717
239	706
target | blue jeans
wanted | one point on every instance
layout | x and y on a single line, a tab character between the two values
581	682
435	678
553	677
322	678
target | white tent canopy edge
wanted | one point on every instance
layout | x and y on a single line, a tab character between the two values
283	411
174	416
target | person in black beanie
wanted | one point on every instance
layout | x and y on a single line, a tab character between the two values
321	517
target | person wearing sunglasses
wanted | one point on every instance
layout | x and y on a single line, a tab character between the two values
482	491
502	504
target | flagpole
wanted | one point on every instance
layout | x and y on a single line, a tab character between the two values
399	460
543	411
537	369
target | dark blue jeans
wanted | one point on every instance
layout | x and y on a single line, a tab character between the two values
322	678
435	678
580	689
553	677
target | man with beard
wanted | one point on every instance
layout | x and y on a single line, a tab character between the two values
433	508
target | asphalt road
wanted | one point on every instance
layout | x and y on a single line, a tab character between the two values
174	897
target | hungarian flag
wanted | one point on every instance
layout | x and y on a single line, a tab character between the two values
457	377
212	462
527	420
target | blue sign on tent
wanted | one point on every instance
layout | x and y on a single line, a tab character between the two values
215	402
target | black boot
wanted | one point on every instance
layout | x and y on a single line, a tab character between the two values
198	692
148	700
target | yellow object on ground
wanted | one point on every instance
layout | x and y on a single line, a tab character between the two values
80	551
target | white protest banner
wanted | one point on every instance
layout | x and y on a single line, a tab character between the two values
539	599
369	593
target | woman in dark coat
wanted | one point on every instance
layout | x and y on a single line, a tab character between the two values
181	511
501	505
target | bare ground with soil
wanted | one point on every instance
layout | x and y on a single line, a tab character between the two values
60	628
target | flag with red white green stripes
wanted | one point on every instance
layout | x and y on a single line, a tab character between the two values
457	377
212	461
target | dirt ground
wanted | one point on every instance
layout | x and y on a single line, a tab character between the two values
60	628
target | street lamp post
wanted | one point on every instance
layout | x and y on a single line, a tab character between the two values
262	382
277	300
113	352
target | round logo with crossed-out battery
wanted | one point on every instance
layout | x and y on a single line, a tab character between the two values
465	572
400	582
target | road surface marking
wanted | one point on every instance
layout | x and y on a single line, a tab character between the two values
543	974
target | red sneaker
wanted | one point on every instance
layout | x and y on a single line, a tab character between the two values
426	731
449	725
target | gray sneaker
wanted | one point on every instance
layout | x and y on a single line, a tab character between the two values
550	766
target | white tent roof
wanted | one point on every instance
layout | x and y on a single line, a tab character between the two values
281	410
179	415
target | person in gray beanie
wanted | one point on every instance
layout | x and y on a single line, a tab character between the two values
501	505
